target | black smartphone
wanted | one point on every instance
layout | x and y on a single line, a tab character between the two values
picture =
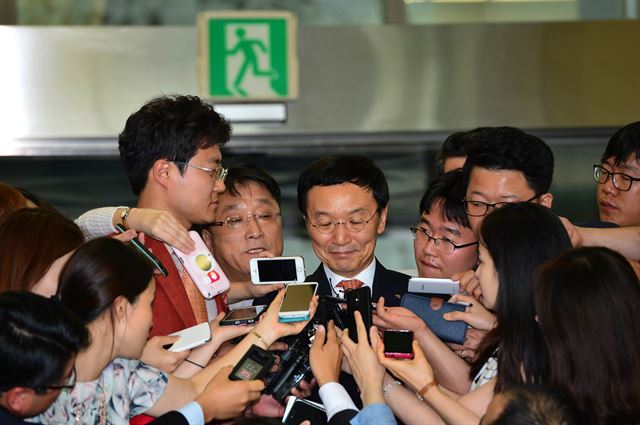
253	365
397	344
358	300
144	251
243	315
303	410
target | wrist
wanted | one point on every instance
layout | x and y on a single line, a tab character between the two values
372	395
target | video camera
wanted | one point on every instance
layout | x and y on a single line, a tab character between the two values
294	363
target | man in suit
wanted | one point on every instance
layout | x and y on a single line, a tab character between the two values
343	200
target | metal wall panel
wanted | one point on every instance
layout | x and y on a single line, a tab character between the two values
68	90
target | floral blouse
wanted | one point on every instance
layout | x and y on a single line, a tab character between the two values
125	388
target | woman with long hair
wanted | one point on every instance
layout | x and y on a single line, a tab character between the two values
587	308
111	287
514	240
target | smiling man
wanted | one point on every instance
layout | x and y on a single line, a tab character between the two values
617	175
344	203
248	223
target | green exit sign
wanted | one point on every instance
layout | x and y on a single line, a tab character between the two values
248	56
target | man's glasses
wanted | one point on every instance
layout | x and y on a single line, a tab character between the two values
352	224
69	383
443	244
479	208
219	173
237	222
621	181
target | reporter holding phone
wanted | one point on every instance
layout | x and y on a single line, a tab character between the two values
109	287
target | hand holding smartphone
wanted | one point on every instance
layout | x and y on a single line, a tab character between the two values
358	300
266	271
398	344
295	305
428	285
243	315
203	268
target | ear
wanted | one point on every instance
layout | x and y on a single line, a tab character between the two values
160	172
17	400
383	221
207	238
120	309
546	200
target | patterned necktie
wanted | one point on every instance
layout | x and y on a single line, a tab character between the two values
350	285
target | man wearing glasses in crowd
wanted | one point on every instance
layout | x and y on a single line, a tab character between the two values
507	165
619	170
170	151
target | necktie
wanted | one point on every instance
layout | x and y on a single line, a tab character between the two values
195	298
350	285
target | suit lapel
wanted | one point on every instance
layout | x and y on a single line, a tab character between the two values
385	286
171	285
323	283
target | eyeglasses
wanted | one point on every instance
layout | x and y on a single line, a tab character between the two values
443	244
219	173
621	181
236	222
70	382
352	224
479	208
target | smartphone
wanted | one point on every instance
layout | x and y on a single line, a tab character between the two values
397	344
203	268
428	285
295	305
243	315
358	300
144	251
299	410
191	337
277	270
253	365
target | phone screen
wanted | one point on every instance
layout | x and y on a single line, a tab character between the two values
297	298
280	270
249	369
244	313
398	342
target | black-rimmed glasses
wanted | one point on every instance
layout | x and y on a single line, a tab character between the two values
443	244
479	208
621	181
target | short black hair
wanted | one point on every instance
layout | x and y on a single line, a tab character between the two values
457	145
340	169
38	338
243	174
448	188
536	405
168	127
623	143
508	148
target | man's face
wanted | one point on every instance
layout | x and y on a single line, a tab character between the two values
430	259
618	206
235	243
194	195
493	186
344	252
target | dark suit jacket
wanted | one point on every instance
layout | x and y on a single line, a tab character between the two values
387	283
343	417
7	418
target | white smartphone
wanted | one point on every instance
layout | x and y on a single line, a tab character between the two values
295	305
277	270
191	337
429	285
203	268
